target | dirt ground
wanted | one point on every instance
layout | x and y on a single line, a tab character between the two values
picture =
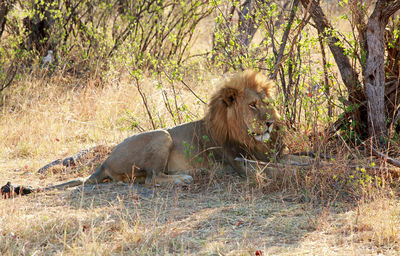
221	215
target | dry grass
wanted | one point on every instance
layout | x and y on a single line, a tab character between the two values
222	215
377	223
229	217
44	119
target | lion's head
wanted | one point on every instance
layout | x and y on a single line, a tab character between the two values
241	113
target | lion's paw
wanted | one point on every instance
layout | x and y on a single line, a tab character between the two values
183	179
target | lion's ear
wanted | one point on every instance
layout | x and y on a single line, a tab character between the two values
229	95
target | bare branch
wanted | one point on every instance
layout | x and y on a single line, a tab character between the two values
387	158
144	99
187	86
313	163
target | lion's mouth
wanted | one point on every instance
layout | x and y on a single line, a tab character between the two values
266	135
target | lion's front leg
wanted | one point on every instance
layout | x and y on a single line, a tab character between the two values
239	168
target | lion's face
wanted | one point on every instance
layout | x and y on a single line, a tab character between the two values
258	114
242	112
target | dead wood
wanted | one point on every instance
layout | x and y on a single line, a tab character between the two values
385	157
314	164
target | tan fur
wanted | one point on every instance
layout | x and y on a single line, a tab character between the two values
240	121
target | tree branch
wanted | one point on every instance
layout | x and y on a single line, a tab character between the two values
391	8
348	73
284	39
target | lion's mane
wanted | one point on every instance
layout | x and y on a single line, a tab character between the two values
226	125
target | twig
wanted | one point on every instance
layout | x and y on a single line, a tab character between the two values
144	99
241	159
187	86
11	73
284	38
168	106
176	103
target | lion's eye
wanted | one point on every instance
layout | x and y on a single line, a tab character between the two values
253	105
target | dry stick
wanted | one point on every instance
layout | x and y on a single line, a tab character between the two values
187	86
334	130
322	164
175	102
168	106
387	158
144	99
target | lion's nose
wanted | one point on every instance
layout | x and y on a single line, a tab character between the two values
269	123
269	126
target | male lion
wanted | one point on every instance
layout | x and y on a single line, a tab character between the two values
241	121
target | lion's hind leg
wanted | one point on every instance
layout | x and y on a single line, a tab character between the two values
176	179
97	177
68	184
145	155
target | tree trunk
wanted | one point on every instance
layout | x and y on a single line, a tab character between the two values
370	113
348	73
374	73
5	6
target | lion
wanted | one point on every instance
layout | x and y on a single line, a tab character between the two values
241	121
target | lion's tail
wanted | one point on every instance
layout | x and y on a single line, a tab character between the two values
97	177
